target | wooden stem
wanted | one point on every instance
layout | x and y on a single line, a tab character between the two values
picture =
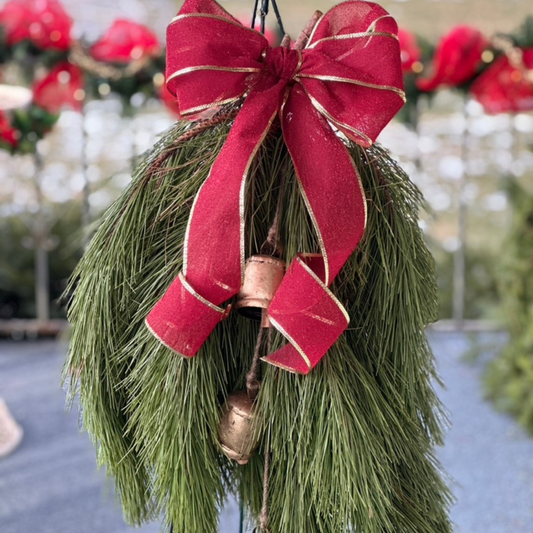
301	42
202	125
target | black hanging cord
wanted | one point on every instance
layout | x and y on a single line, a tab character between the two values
278	17
264	12
254	14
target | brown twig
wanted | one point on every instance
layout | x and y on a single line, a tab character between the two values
263	517
286	41
272	244
252	378
301	42
202	125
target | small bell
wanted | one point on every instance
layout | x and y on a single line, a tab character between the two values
262	277
235	430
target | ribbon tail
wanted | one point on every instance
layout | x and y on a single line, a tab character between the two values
304	310
307	314
214	241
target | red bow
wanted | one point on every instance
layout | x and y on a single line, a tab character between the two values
348	76
507	86
457	58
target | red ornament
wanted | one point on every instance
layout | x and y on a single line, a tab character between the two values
504	87
348	75
61	87
8	134
43	22
457	58
126	41
410	52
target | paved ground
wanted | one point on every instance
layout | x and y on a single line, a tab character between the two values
487	453
50	485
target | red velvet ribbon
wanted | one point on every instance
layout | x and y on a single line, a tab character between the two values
348	77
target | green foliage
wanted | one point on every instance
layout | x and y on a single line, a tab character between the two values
128	85
32	123
509	379
352	443
481	283
17	283
409	113
16	270
523	37
4	49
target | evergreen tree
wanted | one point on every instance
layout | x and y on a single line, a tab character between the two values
509	378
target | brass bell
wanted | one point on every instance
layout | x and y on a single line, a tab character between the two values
235	429
262	277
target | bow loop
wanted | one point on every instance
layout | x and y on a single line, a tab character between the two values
349	18
356	99
351	70
203	73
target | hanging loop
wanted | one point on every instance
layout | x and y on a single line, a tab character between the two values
265	6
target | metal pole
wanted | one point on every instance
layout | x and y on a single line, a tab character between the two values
459	267
414	119
40	235
133	131
85	206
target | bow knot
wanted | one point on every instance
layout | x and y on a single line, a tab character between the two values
348	76
283	63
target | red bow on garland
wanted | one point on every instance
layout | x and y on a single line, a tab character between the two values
348	76
507	85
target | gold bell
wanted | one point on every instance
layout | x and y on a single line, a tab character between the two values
262	277
235	430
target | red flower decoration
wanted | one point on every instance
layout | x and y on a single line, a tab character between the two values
43	22
8	134
125	41
504	87
456	59
62	87
410	52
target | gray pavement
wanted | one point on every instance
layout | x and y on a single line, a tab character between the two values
50	483
487	454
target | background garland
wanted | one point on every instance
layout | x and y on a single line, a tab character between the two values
36	43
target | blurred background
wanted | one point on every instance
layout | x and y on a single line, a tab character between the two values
98	103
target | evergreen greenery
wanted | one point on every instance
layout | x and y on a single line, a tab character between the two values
351	443
17	261
509	378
